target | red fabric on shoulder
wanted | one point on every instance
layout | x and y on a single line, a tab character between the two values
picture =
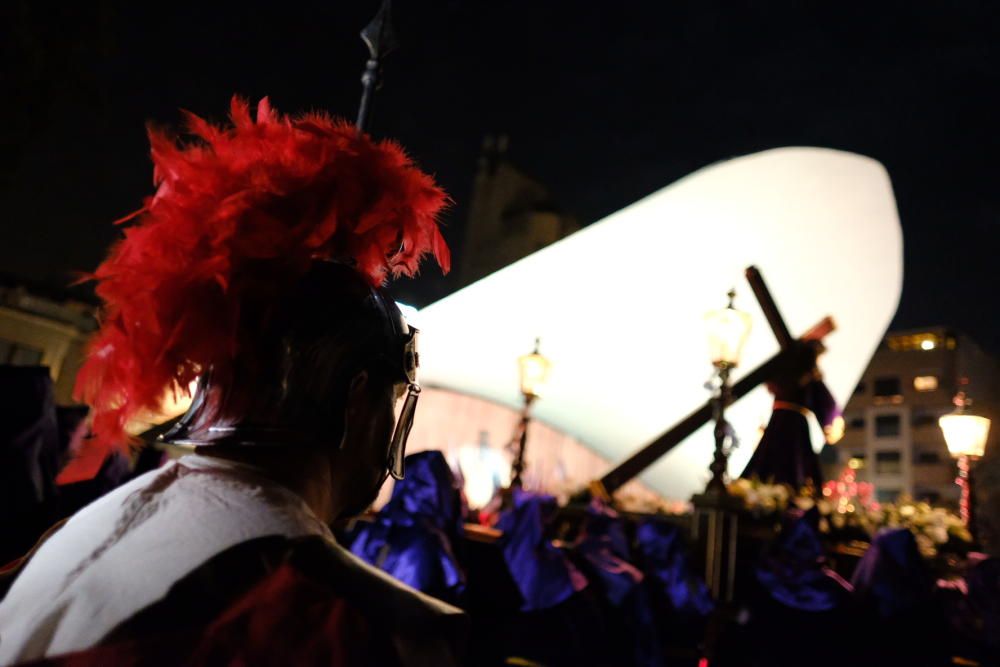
286	619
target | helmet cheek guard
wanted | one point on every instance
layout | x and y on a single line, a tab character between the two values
402	360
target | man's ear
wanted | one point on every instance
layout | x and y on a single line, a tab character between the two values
356	391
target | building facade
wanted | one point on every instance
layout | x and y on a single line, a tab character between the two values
892	435
36	330
511	216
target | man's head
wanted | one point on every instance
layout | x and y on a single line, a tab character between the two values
253	268
328	375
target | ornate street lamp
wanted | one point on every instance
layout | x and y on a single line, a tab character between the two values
715	520
965	433
534	374
728	330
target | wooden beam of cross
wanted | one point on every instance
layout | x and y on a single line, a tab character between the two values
796	356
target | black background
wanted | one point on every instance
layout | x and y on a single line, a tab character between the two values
604	102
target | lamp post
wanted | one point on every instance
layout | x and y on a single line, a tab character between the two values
728	329
534	373
965	433
715	520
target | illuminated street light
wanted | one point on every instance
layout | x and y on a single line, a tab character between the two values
534	374
728	330
965	433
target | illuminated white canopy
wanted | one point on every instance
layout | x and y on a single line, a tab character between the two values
619	305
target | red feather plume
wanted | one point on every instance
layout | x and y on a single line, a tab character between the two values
237	217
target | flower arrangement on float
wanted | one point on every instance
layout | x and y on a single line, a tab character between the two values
629	501
848	512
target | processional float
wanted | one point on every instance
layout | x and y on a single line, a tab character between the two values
619	306
618	303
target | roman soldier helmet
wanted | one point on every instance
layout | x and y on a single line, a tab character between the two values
256	270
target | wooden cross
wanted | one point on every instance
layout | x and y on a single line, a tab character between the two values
796	355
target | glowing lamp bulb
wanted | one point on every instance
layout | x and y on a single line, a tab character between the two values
727	330
534	371
965	433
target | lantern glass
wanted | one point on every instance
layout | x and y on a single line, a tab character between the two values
728	330
965	434
534	369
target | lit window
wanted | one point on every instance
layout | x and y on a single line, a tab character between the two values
925	382
919	341
856	462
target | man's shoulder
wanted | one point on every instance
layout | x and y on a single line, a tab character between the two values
302	573
371	589
298	596
279	600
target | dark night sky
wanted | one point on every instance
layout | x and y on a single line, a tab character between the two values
604	102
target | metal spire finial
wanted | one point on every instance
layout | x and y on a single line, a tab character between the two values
381	40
